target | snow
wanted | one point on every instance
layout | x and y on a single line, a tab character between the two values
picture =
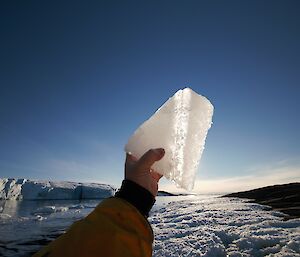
180	126
46	210
17	189
4	216
223	227
204	226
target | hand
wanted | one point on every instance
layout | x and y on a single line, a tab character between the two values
140	172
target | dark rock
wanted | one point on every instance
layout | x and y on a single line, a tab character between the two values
284	198
164	193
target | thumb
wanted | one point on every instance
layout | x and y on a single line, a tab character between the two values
150	157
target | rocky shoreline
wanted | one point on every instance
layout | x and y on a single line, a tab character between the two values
284	198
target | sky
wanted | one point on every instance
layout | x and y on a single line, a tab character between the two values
78	77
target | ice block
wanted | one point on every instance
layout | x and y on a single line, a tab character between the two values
180	126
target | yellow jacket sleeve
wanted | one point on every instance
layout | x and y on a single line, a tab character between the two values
114	228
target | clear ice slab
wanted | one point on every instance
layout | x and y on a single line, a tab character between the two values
179	126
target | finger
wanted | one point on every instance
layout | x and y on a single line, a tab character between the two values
156	176
129	163
150	157
130	158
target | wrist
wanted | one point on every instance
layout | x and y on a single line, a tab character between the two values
136	195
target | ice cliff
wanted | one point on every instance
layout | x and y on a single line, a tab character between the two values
18	189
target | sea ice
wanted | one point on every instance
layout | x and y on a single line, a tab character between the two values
222	227
180	126
192	225
46	210
18	189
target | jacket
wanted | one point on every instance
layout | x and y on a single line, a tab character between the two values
115	228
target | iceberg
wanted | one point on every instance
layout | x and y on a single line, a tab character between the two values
18	189
180	126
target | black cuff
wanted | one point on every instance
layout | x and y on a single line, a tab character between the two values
138	196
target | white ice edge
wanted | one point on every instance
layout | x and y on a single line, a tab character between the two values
180	126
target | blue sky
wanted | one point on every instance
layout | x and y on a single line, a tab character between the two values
78	77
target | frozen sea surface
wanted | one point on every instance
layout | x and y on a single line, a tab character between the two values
215	227
183	226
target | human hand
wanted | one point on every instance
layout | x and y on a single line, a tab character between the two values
140	172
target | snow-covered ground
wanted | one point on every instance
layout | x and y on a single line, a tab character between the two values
183	226
223	227
17	189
